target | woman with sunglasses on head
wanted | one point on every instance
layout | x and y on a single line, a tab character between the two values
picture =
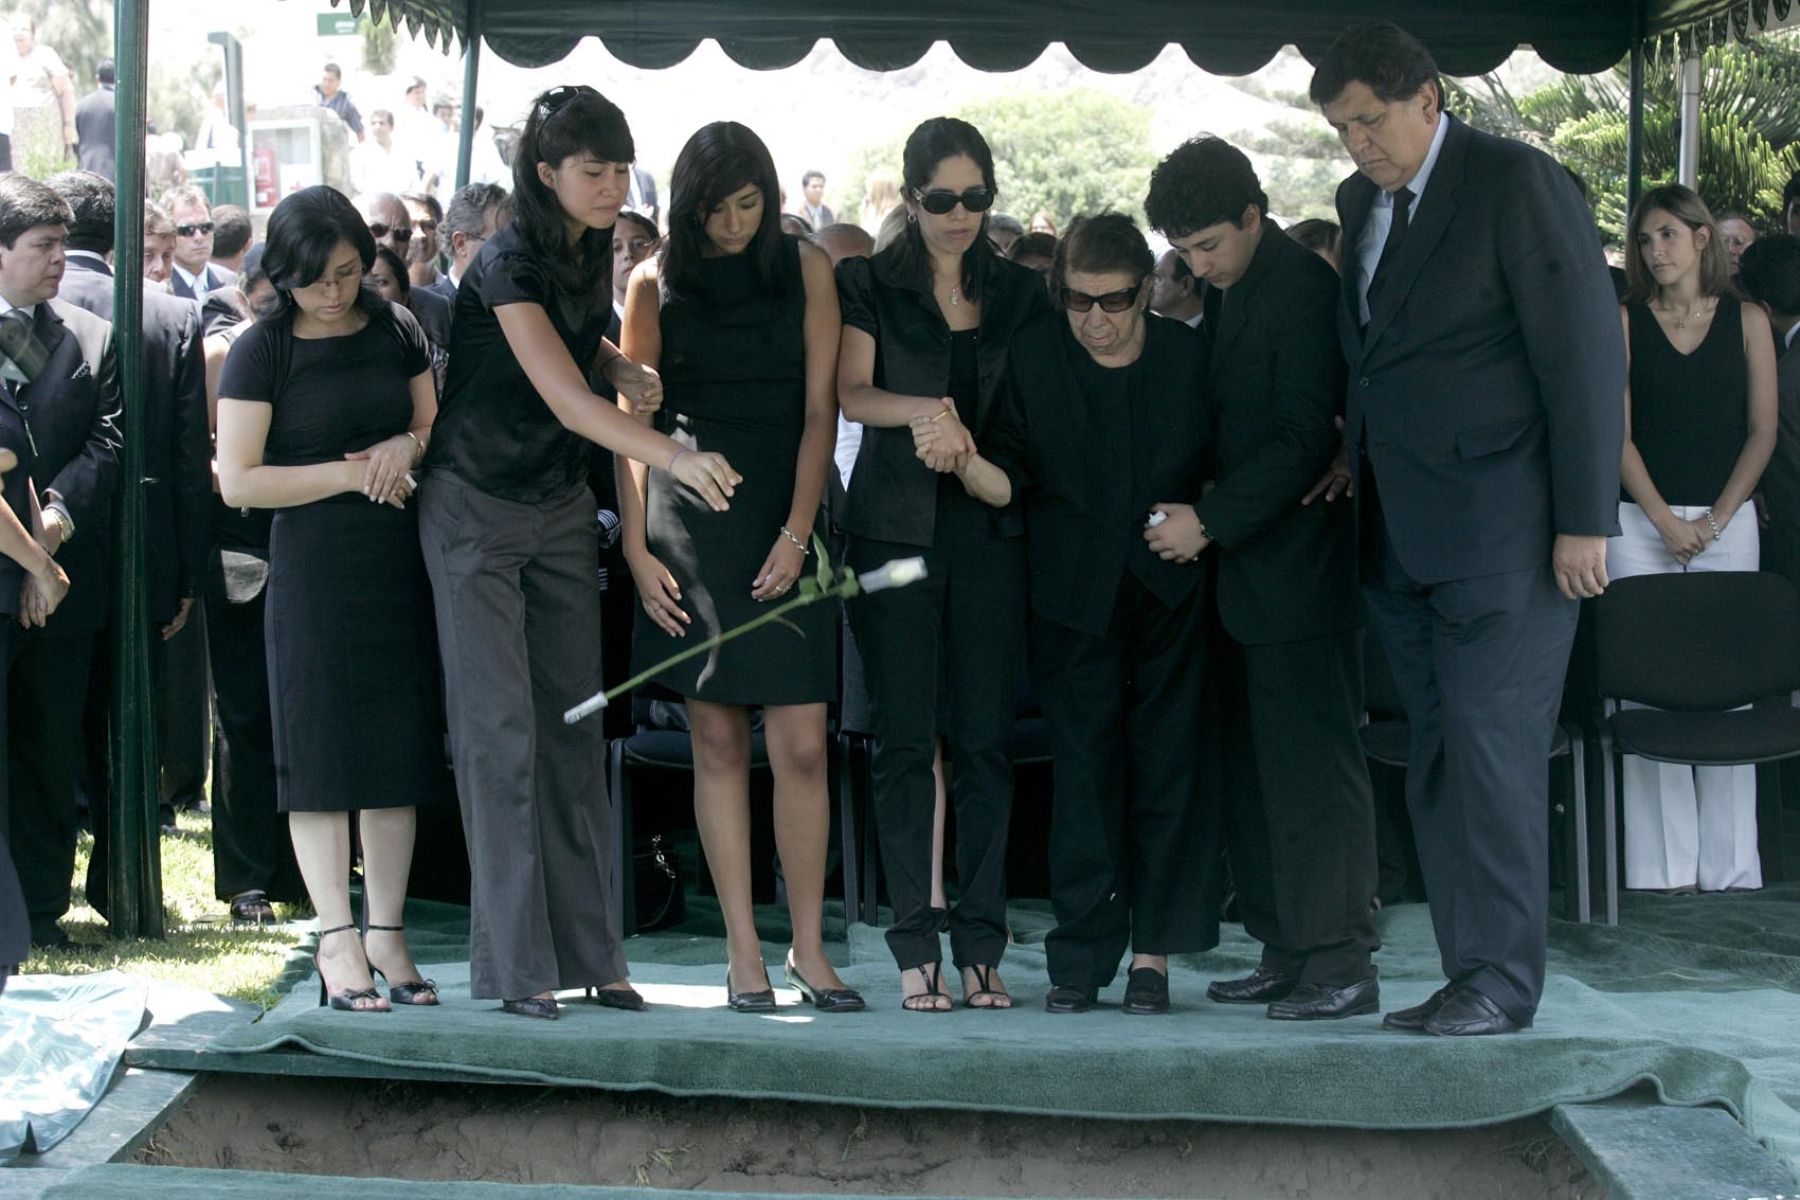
324	408
507	523
927	327
742	321
1102	425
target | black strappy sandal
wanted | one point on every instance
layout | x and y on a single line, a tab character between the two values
344	1001
984	977
933	975
252	908
421	992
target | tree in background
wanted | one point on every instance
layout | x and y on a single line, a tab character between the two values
1066	153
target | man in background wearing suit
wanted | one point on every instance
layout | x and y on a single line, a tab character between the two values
1299	815
1485	421
96	124
195	275
1770	276
60	368
177	495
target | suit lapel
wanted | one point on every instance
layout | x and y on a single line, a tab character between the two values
1436	208
50	333
1234	304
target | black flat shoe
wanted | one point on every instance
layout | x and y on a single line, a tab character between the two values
1070	999
420	992
623	999
1146	992
749	1002
1323	1002
346	1000
1259	987
1468	1013
984	986
544	1008
1412	1020
831	1000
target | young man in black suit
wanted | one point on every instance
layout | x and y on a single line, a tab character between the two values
60	369
177	499
1485	421
1288	665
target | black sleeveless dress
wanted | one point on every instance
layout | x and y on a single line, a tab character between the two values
1689	419
734	381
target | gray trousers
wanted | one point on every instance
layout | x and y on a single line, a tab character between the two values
517	611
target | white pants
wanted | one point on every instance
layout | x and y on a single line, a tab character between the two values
1686	826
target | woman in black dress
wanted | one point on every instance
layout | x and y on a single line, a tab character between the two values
507	524
927	325
742	322
324	410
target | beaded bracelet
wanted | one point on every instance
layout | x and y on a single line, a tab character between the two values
789	535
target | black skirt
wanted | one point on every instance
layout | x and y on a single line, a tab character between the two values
354	687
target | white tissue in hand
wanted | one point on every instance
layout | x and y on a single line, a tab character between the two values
1156	518
897	573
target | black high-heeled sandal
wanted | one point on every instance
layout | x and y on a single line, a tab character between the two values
984	979
422	992
344	1001
831	1000
934	991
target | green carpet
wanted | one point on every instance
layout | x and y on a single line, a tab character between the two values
1698	995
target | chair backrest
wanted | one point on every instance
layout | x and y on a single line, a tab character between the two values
1700	641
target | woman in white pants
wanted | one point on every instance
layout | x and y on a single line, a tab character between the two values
1699	426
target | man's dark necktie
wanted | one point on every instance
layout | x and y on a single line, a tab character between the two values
1390	249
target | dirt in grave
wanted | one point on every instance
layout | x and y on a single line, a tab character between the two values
557	1135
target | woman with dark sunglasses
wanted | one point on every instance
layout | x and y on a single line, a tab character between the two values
927	327
1102	427
507	522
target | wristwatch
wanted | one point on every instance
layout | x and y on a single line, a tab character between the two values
64	521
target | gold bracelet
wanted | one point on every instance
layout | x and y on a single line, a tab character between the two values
418	448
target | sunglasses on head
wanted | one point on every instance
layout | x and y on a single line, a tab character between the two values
554	100
191	230
402	233
1112	302
939	201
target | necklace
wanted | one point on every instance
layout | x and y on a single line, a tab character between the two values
1682	321
955	297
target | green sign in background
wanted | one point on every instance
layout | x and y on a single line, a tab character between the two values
333	24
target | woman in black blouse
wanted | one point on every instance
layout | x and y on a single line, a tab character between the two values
927	324
508	531
324	410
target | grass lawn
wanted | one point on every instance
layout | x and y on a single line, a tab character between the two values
203	949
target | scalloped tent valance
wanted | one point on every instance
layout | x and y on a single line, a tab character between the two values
1224	37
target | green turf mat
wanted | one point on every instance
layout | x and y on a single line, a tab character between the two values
192	1183
1700	996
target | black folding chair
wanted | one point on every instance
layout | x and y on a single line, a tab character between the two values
1387	735
1696	646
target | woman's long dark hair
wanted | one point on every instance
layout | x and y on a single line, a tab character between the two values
720	159
930	144
566	122
303	231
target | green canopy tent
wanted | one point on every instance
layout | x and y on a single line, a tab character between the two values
1227	37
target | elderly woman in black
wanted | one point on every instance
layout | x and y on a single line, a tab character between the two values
927	326
1103	425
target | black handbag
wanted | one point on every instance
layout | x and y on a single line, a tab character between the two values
657	872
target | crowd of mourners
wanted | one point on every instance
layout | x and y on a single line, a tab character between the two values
1159	495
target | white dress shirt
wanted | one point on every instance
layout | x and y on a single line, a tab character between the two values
1381	219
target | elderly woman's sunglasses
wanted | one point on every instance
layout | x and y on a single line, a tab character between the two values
1112	302
939	201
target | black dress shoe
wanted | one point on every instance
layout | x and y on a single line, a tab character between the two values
1468	1013
544	1008
1064	999
749	1002
831	1000
1412	1020
1259	987
1146	992
623	999
1323	1002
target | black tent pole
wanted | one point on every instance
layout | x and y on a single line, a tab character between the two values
471	68
134	877
1634	128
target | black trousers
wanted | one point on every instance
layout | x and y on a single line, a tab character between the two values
15	929
183	711
1299	815
967	615
1479	664
48	689
1134	832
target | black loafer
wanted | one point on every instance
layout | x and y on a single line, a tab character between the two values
749	1002
1146	992
1259	987
1412	1020
623	999
1063	999
1468	1013
1323	1002
533	1006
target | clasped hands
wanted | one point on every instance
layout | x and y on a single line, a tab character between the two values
1178	537
387	470
940	439
41	591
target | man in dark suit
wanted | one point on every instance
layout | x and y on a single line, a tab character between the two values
61	370
177	488
96	124
1485	422
1770	276
1288	669
392	224
195	275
